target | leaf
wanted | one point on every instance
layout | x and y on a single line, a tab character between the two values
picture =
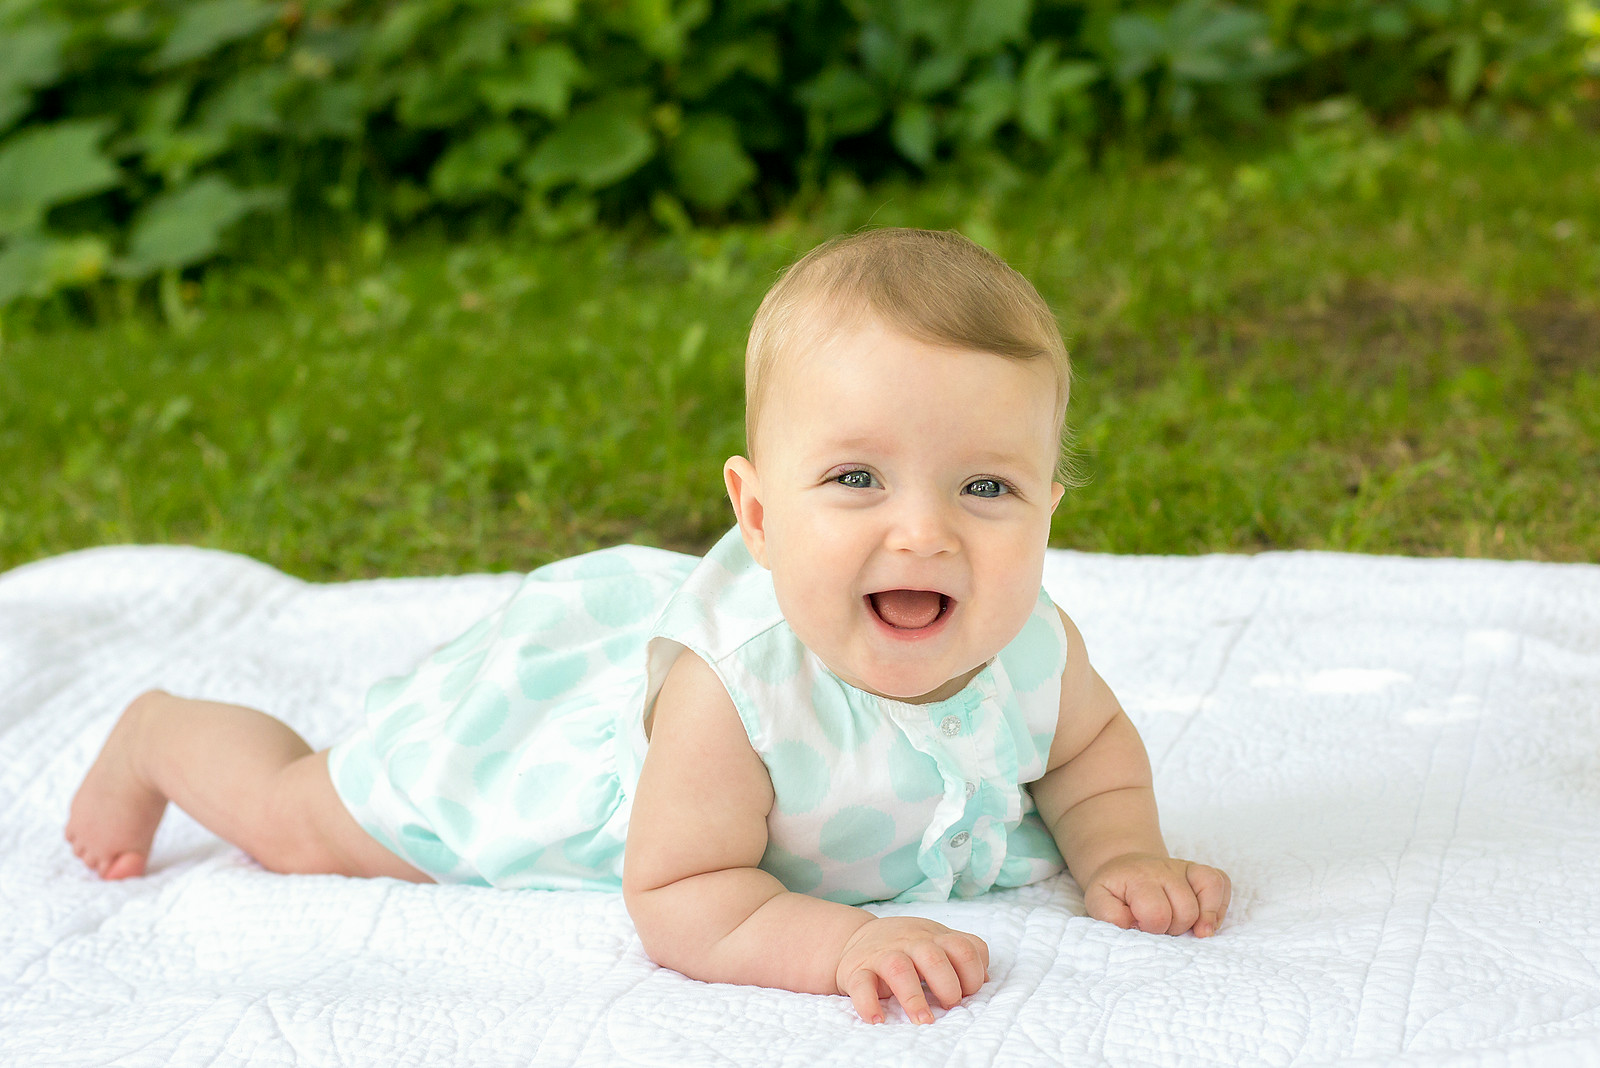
936	22
247	101
13	105
168	149
601	143
37	266
844	99
481	43
322	48
1201	26
668	210
184	226
541	80
883	53
937	73
568	214
1137	44
992	23
30	55
1389	22
704	69
402	24
1218	43
660	27
1043	87
1180	105
709	164
433	97
476	165
43	166
555	12
22	270
332	109
1466	67
177	154
985	105
913	133
159	111
1200	66
205	26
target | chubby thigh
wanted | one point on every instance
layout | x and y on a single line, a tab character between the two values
352	851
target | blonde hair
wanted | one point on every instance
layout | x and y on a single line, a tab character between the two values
934	286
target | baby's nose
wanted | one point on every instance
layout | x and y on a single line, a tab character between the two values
922	527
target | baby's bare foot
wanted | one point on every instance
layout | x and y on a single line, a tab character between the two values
115	812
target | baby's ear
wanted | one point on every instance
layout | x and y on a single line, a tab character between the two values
744	490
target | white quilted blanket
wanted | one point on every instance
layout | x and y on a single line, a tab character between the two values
1397	760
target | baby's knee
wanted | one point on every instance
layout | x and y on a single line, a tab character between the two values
290	844
149	702
304	832
291	855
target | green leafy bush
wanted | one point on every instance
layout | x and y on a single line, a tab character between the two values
135	135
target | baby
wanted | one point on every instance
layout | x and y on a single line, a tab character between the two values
860	694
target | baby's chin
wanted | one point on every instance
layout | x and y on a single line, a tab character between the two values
913	687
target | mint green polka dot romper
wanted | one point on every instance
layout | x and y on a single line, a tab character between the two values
509	758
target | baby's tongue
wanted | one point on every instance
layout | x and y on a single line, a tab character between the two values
907	609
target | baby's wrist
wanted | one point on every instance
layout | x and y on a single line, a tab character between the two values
1091	867
854	936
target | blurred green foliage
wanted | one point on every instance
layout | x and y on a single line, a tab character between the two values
136	134
1361	338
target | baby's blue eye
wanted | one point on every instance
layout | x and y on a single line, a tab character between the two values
987	487
855	479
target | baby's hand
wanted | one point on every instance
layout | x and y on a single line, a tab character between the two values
895	955
1158	895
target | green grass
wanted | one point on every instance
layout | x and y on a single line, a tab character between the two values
1341	340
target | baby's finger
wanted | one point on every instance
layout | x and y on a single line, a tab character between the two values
900	972
938	973
1185	907
1152	912
1104	905
862	990
970	957
1214	891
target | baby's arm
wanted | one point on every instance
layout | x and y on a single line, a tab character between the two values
702	906
1098	801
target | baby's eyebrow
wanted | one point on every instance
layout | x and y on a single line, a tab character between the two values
852	444
870	443
978	465
854	447
996	456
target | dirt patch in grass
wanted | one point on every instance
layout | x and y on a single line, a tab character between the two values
1368	332
1563	336
1374	330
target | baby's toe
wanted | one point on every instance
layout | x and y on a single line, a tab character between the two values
124	866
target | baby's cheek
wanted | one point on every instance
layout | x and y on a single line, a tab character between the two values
1013	614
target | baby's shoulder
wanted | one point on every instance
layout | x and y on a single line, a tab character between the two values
692	692
1069	629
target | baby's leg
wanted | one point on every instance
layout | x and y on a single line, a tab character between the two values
239	772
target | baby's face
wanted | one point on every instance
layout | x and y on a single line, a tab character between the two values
901	496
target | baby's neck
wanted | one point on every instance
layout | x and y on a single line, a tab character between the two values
940	693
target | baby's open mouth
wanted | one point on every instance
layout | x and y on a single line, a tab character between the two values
909	609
